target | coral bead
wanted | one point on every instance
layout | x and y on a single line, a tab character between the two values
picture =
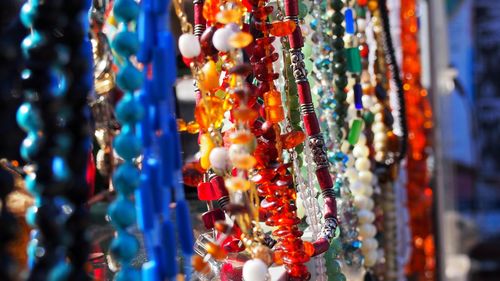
255	270
221	39
189	46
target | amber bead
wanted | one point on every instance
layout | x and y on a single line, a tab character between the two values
278	257
241	137
272	98
206	146
244	162
209	78
209	112
216	251
238	184
240	39
221	226
275	114
292	139
245	114
229	16
199	264
283	28
308	248
264	253
210	10
181	125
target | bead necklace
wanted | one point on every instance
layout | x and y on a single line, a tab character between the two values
125	246
419	125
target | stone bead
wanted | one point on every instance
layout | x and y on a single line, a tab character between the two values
125	43
360	151
189	46
366	177
129	110
221	39
219	158
28	117
126	10
255	270
122	212
127	145
129	78
365	216
124	247
362	164
126	178
367	230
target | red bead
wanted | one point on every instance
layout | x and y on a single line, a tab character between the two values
209	218
206	192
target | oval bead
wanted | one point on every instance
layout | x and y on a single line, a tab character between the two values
124	247
126	178
125	43
129	109
189	46
122	212
255	270
30	146
127	145
126	10
221	39
27	14
129	78
28	117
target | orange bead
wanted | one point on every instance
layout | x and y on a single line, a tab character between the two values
216	251
181	125
193	127
209	77
308	248
272	98
278	257
275	114
199	264
209	112
241	137
237	184
240	40
282	28
229	16
206	146
210	10
245	114
292	139
244	162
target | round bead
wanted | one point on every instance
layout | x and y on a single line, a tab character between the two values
221	39
128	274
360	151
361	202
369	244
126	178
124	247
28	118
357	187
255	270
365	216
30	146
366	177
370	258
129	110
126	10
31	215
219	158
369	204
362	164
27	14
351	174
122	212
129	78
189	46
367	101
31	185
380	137
367	230
125	43
127	145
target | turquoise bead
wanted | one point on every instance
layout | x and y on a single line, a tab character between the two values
127	145
30	146
129	110
128	274
60	272
122	212
31	41
28	117
28	12
31	216
60	169
129	78
31	185
126	10
125	43
124	247
126	178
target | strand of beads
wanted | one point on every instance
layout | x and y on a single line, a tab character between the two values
9	270
37	118
127	144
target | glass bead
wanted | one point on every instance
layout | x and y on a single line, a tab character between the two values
126	10
181	125
237	184
245	114
127	145
31	216
358	94
129	78
355	131
128	273
308	248
272	98
241	137
28	117
244	162
240	39
31	184
125	43
60	272
216	251
193	127
229	16
353	60
200	265
32	41
27	15
122	212
282	28
124	247
349	21
30	146
129	109
209	79
292	139
126	178
210	10
275	114
60	169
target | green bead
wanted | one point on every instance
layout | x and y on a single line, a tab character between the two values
368	117
338	43
361	12
341	82
338	30
353	60
337	5
303	10
355	131
339	68
340	96
338	17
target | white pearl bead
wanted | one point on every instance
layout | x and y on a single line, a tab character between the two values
254	270
189	46
365	216
367	230
352	112
351	174
219	158
369	204
361	24
236	150
368	191
221	39
369	244
350	99
365	177
370	258
361	202
234	27
367	101
360	151
361	140
380	137
379	117
378	127
362	164
379	156
357	188
377	107
379	146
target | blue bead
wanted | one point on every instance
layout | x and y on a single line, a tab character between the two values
58	82
126	10
129	110
126	178
31	251
122	212
60	169
31	216
28	118
127	145
60	272
30	146
349	21
31	41
27	14
128	274
124	247
31	185
125	43
129	78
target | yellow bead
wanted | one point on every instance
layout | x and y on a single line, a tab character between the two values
206	146
216	251
193	127
241	137
209	112
275	114
237	184
209	77
240	40
229	16
181	125
272	98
